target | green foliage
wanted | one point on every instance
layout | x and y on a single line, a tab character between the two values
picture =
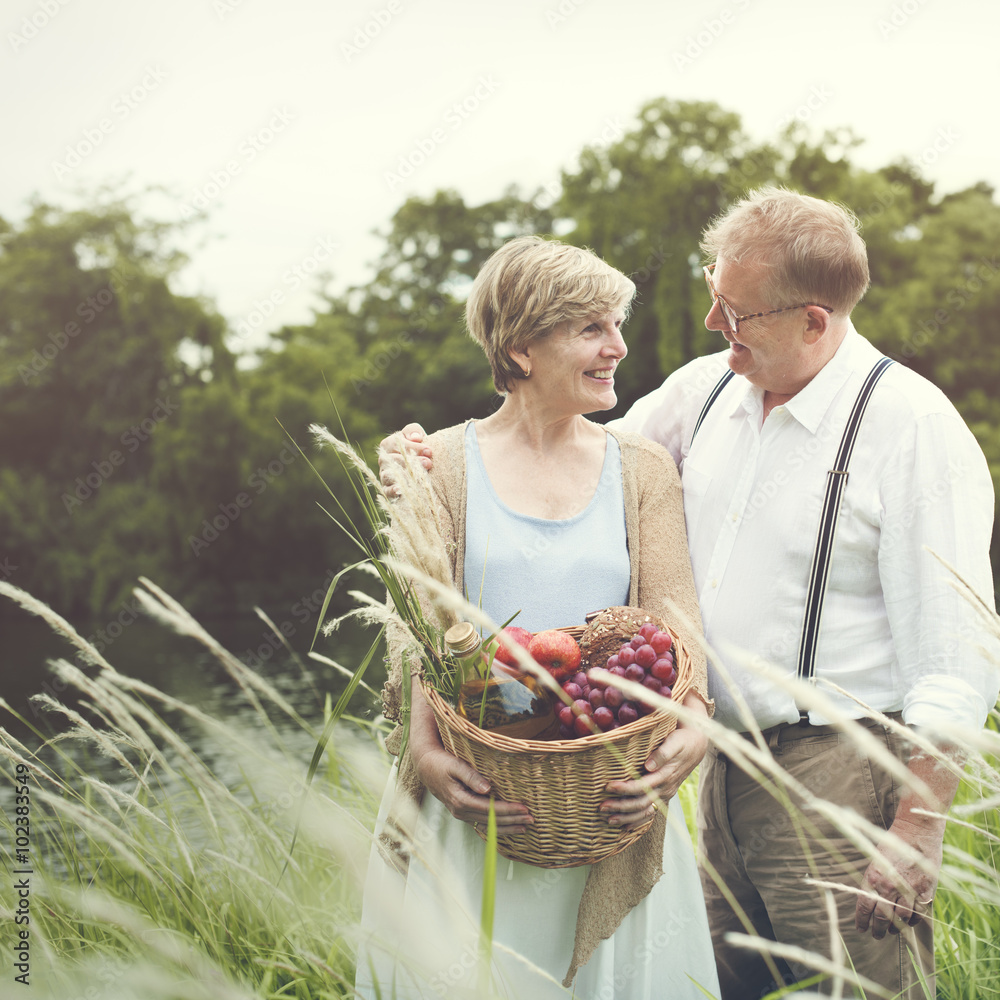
642	203
395	350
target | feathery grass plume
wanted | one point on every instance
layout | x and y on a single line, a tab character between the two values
963	876
106	743
105	702
250	682
94	825
56	622
121	801
218	897
371	612
409	528
17	753
393	537
988	614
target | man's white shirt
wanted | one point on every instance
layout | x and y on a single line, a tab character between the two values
895	633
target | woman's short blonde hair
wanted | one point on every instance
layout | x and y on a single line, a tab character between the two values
527	288
808	250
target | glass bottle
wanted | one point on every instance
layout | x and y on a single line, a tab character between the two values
497	698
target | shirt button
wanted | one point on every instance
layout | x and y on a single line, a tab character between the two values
715	583
736	517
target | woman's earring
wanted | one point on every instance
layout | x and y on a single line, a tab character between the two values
527	372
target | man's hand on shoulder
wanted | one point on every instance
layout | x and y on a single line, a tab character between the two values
390	457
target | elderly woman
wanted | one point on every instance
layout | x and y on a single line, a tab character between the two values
566	517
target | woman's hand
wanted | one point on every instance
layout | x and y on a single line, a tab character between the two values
668	765
463	790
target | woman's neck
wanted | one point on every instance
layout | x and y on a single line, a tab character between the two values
537	428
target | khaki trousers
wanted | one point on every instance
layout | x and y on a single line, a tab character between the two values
763	856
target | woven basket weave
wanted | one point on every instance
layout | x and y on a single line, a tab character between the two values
562	782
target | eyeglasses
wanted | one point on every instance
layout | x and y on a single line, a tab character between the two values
729	314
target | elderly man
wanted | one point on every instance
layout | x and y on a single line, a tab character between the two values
828	575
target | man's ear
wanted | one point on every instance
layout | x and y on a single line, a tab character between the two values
817	324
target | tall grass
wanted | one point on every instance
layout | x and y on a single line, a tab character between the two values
173	877
167	873
967	905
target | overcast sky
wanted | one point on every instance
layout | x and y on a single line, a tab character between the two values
293	121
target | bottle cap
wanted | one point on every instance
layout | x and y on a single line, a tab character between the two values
462	638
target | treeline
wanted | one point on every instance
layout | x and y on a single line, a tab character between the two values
134	443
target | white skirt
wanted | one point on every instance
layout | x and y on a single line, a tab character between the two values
420	933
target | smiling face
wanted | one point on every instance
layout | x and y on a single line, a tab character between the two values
573	368
779	353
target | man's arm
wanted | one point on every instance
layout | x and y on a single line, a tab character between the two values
937	499
905	888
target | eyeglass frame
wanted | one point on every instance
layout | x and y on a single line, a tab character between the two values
734	321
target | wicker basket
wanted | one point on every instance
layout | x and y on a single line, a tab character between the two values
562	782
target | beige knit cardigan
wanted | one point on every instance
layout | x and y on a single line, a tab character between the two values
660	575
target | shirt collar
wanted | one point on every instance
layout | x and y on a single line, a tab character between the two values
809	405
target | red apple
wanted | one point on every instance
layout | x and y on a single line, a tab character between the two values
557	651
519	635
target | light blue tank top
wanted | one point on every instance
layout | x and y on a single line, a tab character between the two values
554	572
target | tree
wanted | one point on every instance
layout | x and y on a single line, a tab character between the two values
641	204
97	350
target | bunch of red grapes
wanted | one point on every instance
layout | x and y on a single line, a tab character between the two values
598	706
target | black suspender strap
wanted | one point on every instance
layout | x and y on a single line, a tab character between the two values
836	481
712	397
